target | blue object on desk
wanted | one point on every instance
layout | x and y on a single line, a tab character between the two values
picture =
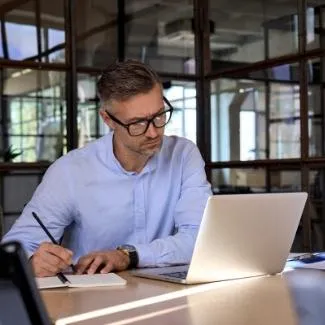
308	258
312	259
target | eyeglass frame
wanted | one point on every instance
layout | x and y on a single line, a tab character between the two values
148	120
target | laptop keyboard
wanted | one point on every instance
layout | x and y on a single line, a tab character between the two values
178	275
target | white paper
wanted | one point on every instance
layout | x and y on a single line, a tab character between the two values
49	282
95	280
81	281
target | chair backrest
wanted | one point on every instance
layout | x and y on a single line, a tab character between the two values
1	223
18	289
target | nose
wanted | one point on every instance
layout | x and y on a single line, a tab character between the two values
152	131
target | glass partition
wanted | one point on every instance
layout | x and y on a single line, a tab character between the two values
33	115
255	180
315	23
251	31
21	32
284	121
238	180
90	124
257	115
53	38
161	34
238	120
182	96
96	28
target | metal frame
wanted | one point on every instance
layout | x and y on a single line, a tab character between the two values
71	77
202	67
304	139
202	77
121	30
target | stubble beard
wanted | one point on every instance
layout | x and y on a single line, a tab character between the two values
148	152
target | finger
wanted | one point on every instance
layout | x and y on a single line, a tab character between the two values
61	252
108	268
44	259
44	263
54	260
40	264
41	272
95	264
50	245
56	248
84	263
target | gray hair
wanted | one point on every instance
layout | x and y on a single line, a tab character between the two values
123	80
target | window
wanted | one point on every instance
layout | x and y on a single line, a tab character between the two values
182	96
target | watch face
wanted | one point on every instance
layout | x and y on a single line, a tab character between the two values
129	248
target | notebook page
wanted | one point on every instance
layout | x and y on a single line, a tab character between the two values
49	282
95	280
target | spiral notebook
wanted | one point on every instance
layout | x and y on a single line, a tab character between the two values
81	281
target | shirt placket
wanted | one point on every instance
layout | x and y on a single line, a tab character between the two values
139	210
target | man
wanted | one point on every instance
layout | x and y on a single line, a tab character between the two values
133	198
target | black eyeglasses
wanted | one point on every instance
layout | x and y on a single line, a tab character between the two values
141	126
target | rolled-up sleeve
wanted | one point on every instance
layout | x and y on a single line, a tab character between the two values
52	202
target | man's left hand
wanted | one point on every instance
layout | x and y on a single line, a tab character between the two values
107	261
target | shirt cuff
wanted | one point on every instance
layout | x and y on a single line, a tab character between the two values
146	256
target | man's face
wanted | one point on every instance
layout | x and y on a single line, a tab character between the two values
134	109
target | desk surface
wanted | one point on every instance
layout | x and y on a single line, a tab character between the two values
295	297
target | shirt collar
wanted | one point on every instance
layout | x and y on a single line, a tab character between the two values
112	161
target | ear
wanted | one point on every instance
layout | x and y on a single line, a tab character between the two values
106	119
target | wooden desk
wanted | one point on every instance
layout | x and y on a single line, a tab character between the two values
295	297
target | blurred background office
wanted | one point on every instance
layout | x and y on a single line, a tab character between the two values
246	79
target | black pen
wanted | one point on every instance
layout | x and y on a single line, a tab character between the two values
62	277
52	240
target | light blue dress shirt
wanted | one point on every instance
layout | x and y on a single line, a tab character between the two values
157	210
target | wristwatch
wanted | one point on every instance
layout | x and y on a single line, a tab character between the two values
130	251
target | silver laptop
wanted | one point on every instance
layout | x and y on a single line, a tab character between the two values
241	235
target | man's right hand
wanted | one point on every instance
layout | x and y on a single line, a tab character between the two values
50	259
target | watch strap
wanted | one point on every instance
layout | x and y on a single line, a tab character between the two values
132	253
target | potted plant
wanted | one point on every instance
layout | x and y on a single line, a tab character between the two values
10	153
